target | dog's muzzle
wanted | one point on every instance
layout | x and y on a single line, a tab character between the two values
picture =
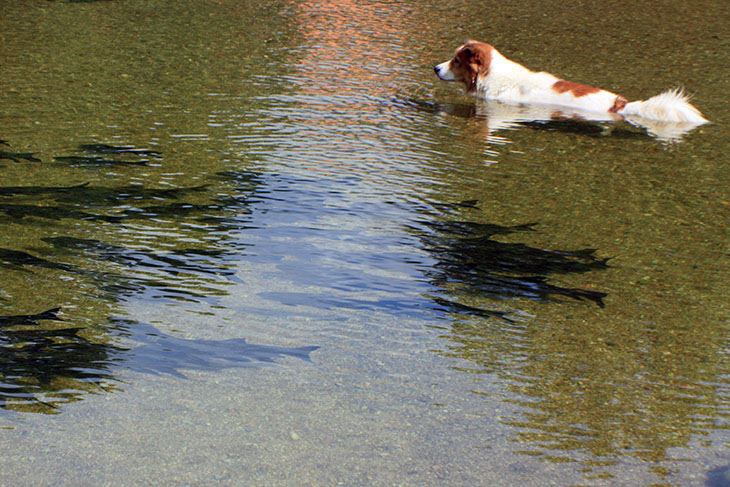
443	71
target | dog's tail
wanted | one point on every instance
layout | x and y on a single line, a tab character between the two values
670	106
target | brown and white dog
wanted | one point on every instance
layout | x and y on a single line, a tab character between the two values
488	74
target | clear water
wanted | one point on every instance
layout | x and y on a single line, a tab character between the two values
260	243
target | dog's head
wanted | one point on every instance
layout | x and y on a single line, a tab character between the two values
472	60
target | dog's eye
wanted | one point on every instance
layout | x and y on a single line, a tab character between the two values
456	60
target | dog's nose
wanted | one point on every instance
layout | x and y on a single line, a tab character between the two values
436	69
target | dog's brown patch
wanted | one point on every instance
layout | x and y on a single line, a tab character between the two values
577	89
618	105
472	60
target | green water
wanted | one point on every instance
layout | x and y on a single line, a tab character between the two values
259	243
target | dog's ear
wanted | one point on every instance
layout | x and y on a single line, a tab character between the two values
476	57
472	54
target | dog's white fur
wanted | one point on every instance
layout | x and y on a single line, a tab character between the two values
488	74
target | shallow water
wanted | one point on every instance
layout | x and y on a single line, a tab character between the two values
261	244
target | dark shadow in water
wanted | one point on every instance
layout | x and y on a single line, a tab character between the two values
118	149
137	267
135	271
157	275
17	156
466	253
449	306
399	307
18	260
44	366
39	190
160	353
22	211
601	389
105	155
468	263
584	128
99	195
718	477
175	262
63	202
82	244
97	161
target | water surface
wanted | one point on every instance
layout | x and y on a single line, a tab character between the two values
261	244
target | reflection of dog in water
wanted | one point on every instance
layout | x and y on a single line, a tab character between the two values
489	75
